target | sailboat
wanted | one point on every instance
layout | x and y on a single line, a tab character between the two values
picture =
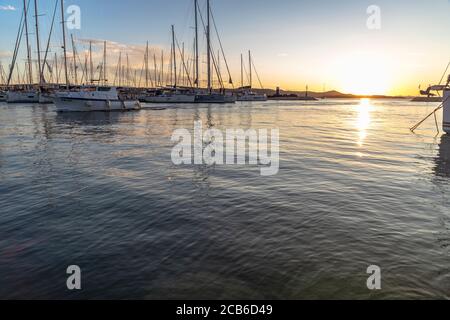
87	99
246	92
27	93
445	106
208	95
93	99
172	94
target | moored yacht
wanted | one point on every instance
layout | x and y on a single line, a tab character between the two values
46	97
22	96
2	96
94	99
215	98
246	93
170	96
249	95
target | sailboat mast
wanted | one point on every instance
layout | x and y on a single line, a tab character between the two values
242	71
146	66
250	67
219	75
128	72
105	79
30	67
91	64
74	60
196	43
161	79
208	44
183	78
56	69
156	71
37	41
63	22
174	57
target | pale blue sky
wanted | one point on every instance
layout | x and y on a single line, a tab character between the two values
294	42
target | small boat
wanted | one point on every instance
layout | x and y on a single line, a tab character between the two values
22	96
251	96
94	99
2	96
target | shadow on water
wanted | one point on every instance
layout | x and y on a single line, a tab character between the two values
442	161
91	118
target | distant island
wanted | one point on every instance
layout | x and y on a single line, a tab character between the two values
280	94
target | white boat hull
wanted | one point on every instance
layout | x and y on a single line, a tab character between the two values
85	105
176	98
22	97
45	99
215	98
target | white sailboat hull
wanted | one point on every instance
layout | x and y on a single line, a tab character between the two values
215	98
176	98
45	99
86	105
22	97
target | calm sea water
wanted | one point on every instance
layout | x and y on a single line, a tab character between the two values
355	188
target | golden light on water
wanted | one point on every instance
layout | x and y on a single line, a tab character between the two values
363	119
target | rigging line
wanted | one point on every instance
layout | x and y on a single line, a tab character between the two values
142	71
434	111
48	42
221	48
246	74
117	68
443	75
182	60
219	76
257	75
17	45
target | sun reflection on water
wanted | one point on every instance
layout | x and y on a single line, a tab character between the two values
363	120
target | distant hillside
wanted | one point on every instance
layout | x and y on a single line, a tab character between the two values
329	94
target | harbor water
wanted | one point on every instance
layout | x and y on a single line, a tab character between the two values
99	190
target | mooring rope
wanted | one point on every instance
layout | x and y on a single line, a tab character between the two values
432	113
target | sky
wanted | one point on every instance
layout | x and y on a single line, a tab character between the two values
294	43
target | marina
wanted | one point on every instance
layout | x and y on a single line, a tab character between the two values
223	150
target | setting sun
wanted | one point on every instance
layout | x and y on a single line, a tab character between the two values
364	74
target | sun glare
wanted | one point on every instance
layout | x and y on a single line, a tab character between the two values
364	74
